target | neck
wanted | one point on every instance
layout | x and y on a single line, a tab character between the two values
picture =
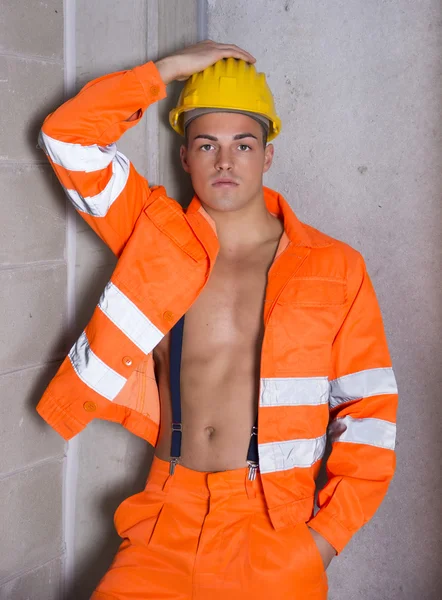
246	228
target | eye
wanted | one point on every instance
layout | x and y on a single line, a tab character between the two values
244	147
206	147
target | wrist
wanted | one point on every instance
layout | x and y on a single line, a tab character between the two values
165	70
327	551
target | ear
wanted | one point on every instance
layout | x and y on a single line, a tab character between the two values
268	157
183	157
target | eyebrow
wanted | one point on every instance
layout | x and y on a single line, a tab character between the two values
212	138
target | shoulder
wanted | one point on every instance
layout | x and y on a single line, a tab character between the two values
331	245
335	258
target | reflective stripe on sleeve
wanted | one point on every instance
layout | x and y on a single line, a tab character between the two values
373	382
99	205
75	157
280	456
374	432
294	391
129	318
93	371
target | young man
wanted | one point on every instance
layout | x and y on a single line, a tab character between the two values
282	338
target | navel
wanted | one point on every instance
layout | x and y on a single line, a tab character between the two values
210	431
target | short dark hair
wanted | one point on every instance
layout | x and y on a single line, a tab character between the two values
265	135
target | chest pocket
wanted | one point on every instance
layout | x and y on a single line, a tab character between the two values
306	318
315	291
169	218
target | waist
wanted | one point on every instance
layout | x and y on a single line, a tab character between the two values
205	485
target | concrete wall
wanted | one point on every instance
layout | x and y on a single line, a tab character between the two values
33	280
357	85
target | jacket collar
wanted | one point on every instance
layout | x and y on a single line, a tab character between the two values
297	232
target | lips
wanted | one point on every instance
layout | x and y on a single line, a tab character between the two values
224	183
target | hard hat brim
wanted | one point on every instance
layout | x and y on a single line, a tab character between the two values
176	118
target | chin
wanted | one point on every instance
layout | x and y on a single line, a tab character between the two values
224	205
217	203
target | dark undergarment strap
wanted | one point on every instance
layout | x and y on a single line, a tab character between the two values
176	345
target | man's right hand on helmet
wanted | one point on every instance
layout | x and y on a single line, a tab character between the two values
184	63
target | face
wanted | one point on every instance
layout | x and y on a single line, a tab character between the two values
226	160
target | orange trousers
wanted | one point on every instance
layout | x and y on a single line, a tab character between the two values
207	536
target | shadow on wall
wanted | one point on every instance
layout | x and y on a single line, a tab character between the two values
92	562
57	352
177	182
45	108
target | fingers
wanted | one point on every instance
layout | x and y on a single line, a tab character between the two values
237	52
231	50
194	59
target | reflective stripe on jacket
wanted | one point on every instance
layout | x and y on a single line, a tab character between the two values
325	363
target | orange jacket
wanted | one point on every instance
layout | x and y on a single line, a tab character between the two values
324	363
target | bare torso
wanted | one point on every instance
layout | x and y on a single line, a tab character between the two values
220	364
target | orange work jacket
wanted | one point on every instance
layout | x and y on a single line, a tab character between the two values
325	364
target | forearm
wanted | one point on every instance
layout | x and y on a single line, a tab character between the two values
100	112
167	68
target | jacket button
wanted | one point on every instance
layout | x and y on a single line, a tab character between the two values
168	316
90	406
127	361
154	90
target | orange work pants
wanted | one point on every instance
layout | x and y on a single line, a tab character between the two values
207	536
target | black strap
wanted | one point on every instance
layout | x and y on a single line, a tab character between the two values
176	347
252	454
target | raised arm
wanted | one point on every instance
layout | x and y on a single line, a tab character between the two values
79	139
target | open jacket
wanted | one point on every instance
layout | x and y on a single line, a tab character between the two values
325	364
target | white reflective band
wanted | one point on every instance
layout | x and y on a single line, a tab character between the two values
75	157
93	371
98	205
280	456
294	391
374	432
129	318
373	382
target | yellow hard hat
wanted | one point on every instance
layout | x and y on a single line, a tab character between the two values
229	84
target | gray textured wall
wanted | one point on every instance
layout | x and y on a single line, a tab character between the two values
358	88
32	303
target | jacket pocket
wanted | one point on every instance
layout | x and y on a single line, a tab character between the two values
315	291
168	216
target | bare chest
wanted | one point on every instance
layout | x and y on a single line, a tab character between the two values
229	309
224	327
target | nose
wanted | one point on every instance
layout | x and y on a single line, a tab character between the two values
223	160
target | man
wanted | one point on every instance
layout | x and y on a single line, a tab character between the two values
282	335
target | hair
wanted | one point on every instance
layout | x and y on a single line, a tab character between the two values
264	136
